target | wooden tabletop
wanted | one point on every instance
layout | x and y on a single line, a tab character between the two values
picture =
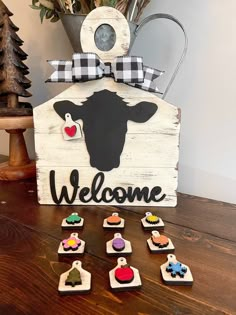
203	232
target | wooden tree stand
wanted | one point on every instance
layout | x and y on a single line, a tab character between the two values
19	166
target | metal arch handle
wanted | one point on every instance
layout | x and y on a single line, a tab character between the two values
171	18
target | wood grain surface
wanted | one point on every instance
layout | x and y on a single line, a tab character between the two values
202	230
22	122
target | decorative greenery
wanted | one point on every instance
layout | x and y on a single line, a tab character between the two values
51	9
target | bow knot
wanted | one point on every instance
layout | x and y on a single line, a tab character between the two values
88	66
107	69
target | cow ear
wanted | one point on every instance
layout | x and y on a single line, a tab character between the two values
142	112
64	107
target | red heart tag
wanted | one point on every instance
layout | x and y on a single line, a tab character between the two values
70	131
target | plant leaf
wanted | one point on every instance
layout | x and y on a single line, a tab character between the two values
109	3
35	7
55	19
47	4
76	6
34	1
42	13
49	14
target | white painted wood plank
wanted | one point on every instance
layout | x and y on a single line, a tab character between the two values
85	89
164	177
139	151
166	119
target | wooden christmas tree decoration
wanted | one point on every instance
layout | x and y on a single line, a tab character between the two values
75	281
73	278
13	70
15	116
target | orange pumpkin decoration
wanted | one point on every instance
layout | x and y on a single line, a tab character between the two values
113	220
160	241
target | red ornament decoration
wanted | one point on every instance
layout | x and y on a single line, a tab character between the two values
124	274
124	277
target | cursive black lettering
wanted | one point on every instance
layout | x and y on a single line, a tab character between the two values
98	193
138	194
156	192
120	197
106	191
83	193
96	186
74	181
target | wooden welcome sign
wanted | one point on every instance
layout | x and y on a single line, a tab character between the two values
104	142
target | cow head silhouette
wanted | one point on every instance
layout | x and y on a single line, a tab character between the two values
105	116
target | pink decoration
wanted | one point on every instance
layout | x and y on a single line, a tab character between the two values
71	243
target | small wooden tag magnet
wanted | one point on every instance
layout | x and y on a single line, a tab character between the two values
75	281
175	273
151	221
118	245
73	221
71	130
160	243
71	246
124	277
114	221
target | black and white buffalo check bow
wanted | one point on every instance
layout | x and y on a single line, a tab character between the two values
88	66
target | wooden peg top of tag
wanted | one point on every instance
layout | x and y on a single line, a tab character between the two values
100	17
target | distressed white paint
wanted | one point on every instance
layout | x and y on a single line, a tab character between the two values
149	157
137	148
164	177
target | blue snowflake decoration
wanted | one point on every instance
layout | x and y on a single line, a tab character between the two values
176	269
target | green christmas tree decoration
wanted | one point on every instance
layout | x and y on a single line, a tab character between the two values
73	278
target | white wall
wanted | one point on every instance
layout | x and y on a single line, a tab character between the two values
203	88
